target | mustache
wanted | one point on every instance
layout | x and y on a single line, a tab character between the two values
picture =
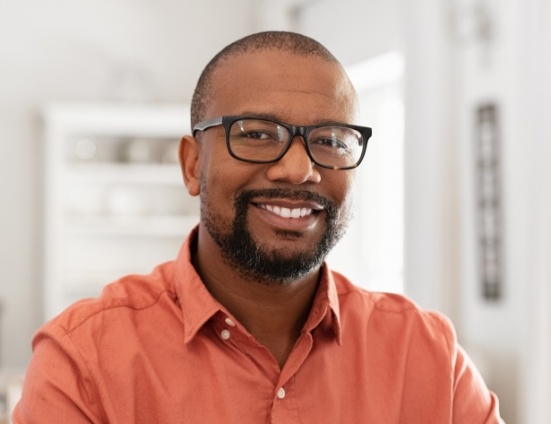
245	197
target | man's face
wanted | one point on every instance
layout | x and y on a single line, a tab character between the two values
275	222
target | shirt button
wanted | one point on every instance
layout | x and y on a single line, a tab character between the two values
281	393
225	334
230	322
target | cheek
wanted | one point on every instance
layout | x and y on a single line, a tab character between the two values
344	190
214	163
341	183
223	177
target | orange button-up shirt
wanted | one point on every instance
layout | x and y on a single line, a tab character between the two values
160	349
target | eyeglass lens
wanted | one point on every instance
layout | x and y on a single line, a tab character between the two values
261	140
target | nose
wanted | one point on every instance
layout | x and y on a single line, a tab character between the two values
295	166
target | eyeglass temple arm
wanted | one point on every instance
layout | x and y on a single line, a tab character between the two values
204	125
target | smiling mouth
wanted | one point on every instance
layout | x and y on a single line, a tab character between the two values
295	208
287	212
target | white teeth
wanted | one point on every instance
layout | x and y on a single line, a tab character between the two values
286	212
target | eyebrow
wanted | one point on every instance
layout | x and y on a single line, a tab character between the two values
273	117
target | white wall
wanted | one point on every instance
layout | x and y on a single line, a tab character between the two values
62	50
531	159
353	30
489	72
431	170
450	71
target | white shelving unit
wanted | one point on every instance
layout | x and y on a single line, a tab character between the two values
114	199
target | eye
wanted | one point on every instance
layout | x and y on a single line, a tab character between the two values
337	139
330	142
259	135
334	143
258	130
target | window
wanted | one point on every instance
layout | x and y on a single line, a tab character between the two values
371	253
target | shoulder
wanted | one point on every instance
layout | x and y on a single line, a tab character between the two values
393	315
129	295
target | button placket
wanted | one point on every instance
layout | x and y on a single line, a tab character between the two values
285	407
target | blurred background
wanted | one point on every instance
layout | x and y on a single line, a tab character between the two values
454	199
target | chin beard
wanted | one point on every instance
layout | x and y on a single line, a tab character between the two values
257	262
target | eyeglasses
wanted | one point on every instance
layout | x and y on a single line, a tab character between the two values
259	140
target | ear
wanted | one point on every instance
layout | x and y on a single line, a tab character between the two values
190	164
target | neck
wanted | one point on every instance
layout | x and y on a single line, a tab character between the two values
274	313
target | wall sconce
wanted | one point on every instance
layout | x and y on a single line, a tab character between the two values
488	193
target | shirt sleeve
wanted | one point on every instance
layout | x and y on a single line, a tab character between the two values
58	387
473	402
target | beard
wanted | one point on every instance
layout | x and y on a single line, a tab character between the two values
269	265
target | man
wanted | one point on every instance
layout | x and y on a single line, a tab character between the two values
249	325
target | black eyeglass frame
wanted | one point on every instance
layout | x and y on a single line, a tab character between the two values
228	120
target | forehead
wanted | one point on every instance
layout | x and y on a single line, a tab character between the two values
299	89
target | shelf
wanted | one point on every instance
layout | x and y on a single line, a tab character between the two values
114	198
90	282
131	226
110	119
108	173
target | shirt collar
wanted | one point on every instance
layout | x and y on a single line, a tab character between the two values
199	306
195	300
325	311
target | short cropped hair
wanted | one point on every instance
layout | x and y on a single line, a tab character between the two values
270	40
